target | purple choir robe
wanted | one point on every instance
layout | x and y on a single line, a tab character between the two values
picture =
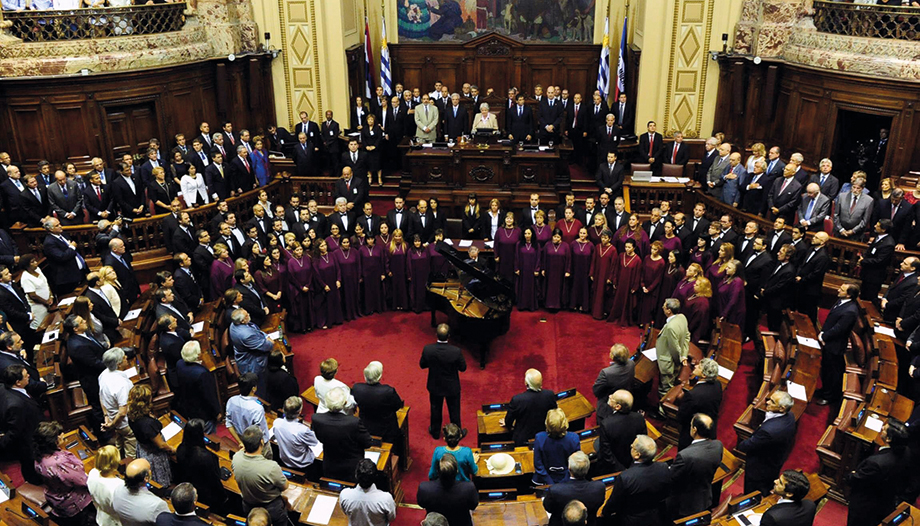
652	275
332	244
627	274
373	267
601	272
715	274
221	277
300	275
526	264
396	270
594	234
683	290
328	304
580	291
669	281
542	235
643	247
701	257
271	282
671	245
439	264
699	318
730	301
358	242
351	287
557	260
569	230
418	266
505	251
384	241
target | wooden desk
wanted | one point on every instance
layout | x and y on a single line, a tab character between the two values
912	512
74	442
300	498
576	407
817	492
526	511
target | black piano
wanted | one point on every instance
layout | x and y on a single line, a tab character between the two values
477	304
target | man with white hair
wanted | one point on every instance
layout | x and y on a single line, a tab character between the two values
815	208
114	385
456	118
830	185
378	404
527	411
639	495
341	216
672	347
250	345
705	398
590	492
769	446
197	388
344	437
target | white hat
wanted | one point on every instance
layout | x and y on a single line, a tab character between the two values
500	464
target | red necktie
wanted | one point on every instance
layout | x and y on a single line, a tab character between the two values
99	193
230	136
246	165
674	155
348	184
786	183
900	279
651	144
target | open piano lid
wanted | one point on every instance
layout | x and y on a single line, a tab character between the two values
493	291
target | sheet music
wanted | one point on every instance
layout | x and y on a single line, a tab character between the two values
170	431
651	354
322	509
797	391
132	314
67	301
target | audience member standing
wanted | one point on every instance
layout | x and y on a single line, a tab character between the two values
575	487
672	348
378	404
20	415
694	467
770	444
705	398
638	497
365	504
343	436
454	499
792	509
114	386
261	480
527	411
134	504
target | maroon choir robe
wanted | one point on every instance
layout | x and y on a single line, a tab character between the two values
671	244
683	290
730	301
641	239
328	304
594	234
669	281
373	267
221	277
701	257
526	264
627	274
542	235
439	264
569	230
300	275
601	272
347	260
580	289
715	273
271	280
652	275
506	240
396	270
557	260
418	266
332	244
699	318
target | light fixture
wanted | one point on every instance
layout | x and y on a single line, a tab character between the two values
757	60
231	57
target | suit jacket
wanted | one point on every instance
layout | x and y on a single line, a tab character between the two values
577	127
658	232
455	126
692	472
607	143
194	159
877	259
774	243
858	219
714	174
754	200
172	519
63	266
344	440
403	222
705	164
217	179
777	169
312	131
615	222
550	115
657	147
86	355
758	268
330	133
32	209
164	194
681	157
359	167
146	170
12	196
831	186
454	502
394	126
779	287
610	178
903	288
673	344
73	203
184	241
900	223
819	212
104	311
253	303
198	391
19	417
124	198
800	513
444	363
303	159
93	204
628	120
527	414
591	493
171	346
597	116
812	273
639	495
767	450
786	201
358	192
177	312
426	233
240	177
188	289
378	404
875	485
837	327
616	434
36	386
706	398
355	120
519	126
427	119
335	218
16	307
130	287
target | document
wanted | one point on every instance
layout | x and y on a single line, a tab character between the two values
797	391
874	423
449	242
465	243
274	336
322	509
197	327
373	456
651	354
317	449
748	518
132	314
808	342
131	372
170	431
50	336
489	244
67	301
887	331
726	373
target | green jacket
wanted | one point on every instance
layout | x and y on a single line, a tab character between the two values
673	344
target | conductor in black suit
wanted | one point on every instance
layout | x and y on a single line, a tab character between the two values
705	398
619	375
444	362
792	509
876	482
834	335
577	487
20	414
651	145
694	467
527	411
639	495
610	175
344	437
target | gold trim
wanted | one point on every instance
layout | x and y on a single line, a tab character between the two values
675	30
284	58
318	107
705	57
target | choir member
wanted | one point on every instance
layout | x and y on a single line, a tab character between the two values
700	253
471	223
439	264
372	262
632	230
717	270
527	269
371	136
582	257
730	295
673	274
670	241
595	231
349	274
269	280
506	241
541	231
491	220
569	226
360	237
334	240
653	268
221	276
300	282
555	267
417	271
438	219
288	249
396	270
605	257
326	285
384	237
626	276
684	287
697	310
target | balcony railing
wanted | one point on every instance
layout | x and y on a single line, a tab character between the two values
867	20
81	24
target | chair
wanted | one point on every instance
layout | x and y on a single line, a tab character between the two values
672	170
639	167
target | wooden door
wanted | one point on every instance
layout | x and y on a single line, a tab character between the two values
130	126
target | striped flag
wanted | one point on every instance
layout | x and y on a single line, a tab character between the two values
368	61
386	80
621	64
603	69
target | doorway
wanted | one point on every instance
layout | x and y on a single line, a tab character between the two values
130	126
856	145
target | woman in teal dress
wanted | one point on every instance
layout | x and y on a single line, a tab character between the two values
414	19
466	459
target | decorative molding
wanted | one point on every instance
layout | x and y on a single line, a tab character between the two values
494	48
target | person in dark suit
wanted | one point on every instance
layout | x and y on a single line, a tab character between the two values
877	481
754	189
11	190
394	129
97	199
171	339
678	152
356	159
618	375
577	487
776	292
451	498
834	335
330	131
902	289
120	260
197	388
128	193
358	116
792	509
874	263
253	300
618	431
66	200
398	217
758	262
15	305
520	122
369	220
651	146
86	354
20	414
527	411
202	257
310	128
784	197
102	308
814	209
610	175
378	404
809	280
33	202
66	267
183	237
456	118
231	138
216	177
11	353
901	214
166	305
830	185
344	437
146	169
303	157
240	172
769	446
198	157
606	138
778	237
529	213
625	113
444	362
775	165
421	223
694	467
640	492
187	285
705	398
578	127
182	498
710	154
353	189
205	136
343	218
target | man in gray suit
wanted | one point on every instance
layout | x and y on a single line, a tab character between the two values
814	209
853	212
672	347
66	199
693	469
426	120
714	175
830	185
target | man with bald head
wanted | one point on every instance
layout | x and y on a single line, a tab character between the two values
421	223
527	411
693	468
133	503
784	197
640	494
809	279
903	288
814	209
618	431
731	194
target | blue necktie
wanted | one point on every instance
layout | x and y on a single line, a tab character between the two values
64	190
811	206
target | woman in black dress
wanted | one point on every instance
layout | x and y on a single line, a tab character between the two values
371	136
146	429
471	219
198	465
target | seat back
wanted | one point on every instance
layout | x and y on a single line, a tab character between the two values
671	170
640	167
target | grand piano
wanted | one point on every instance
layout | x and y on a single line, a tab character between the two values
477	304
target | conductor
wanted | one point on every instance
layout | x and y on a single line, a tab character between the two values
444	363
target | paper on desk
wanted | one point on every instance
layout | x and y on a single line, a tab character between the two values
726	373
874	423
654	179
427	145
887	331
132	314
797	391
317	449
464	243
489	244
197	327
543	148
373	456
449	242
748	518
131	372
322	509
651	354
170	431
50	336
4	497
354	134
274	336
67	301
808	342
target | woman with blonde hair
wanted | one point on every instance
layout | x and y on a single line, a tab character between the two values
730	295
758	153
102	482
492	220
595	230
146	429
632	230
551	449
397	255
717	270
884	191
542	233
110	286
684	287
697	309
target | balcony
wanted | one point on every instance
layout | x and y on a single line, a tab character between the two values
867	20
82	24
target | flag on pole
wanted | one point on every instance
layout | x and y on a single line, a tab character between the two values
621	64
368	61
385	79
603	69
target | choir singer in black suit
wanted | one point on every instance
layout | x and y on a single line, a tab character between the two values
444	362
527	411
694	467
792	509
